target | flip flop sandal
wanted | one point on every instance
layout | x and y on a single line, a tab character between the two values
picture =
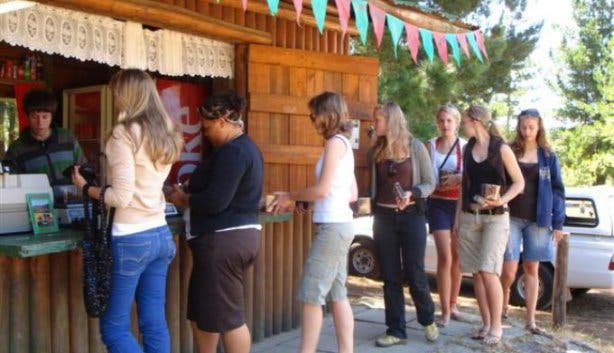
441	322
480	334
492	340
535	330
455	315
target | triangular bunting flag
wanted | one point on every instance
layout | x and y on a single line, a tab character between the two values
474	45
273	6
319	12
427	42
413	41
362	18
442	46
480	39
463	43
378	17
244	4
396	30
298	7
343	7
451	38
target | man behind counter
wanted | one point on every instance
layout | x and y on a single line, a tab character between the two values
43	147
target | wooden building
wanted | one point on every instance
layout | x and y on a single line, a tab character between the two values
278	66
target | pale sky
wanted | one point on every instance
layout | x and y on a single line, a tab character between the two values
557	15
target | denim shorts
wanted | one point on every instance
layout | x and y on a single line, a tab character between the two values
325	271
441	213
529	242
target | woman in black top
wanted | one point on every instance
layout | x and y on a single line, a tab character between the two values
482	219
224	193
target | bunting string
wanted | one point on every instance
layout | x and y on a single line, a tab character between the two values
470	42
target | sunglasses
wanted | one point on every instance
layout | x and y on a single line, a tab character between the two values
530	112
391	168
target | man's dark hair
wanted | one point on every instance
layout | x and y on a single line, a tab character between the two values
40	100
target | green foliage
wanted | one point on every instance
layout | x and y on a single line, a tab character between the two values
587	150
586	153
587	83
421	88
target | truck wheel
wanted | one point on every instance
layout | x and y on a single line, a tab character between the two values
544	293
363	258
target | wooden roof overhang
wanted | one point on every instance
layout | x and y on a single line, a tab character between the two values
167	16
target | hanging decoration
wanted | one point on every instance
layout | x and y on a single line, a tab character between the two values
319	12
362	19
414	35
396	30
378	17
343	6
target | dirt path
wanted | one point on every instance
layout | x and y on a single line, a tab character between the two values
590	317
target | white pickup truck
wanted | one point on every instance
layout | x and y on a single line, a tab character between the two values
589	218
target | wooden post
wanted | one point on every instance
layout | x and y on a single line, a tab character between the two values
559	298
5	264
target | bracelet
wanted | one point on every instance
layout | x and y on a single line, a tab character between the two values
85	189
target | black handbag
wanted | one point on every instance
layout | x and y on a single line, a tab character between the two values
97	257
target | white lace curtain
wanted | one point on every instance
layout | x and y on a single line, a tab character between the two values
105	40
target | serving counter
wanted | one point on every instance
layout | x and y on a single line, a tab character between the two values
41	289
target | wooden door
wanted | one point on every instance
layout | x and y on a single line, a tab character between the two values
279	84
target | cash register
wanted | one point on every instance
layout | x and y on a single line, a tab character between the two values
14	216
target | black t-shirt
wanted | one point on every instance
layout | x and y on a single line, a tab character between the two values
525	204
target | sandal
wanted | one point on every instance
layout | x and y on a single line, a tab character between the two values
480	334
455	315
535	330
442	322
504	313
492	340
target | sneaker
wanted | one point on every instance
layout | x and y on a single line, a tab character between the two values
431	332
387	340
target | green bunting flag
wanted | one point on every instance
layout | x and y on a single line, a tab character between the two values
396	30
362	18
451	38
273	6
427	43
474	45
319	12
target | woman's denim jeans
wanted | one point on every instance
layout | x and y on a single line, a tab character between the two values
140	266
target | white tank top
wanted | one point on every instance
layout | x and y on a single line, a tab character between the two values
453	161
335	207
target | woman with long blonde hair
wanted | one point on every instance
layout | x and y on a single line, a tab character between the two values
401	180
482	215
140	152
446	157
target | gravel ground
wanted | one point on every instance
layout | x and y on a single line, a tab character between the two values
590	317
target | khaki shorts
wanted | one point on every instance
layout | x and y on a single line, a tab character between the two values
482	240
325	271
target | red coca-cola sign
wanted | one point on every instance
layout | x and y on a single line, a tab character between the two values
181	101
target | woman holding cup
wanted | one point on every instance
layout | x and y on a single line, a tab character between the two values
482	220
446	157
537	215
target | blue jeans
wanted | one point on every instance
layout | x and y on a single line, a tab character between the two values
529	242
400	238
140	266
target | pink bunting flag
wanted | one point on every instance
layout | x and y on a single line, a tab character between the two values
442	46
413	40
463	43
378	17
480	39
343	7
298	7
244	4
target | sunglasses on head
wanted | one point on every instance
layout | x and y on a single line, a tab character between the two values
391	168
530	112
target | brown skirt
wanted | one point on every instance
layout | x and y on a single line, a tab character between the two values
215	293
